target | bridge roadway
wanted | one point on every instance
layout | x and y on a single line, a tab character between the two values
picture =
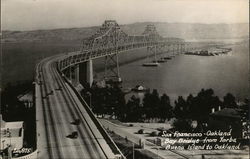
56	107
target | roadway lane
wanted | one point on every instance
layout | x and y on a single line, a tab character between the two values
57	107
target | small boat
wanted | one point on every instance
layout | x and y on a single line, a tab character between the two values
150	64
167	58
159	61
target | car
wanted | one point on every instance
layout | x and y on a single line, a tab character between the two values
77	121
74	134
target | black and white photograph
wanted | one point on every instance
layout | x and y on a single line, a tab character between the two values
124	79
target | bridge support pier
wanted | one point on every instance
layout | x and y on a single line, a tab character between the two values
90	75
85	74
75	81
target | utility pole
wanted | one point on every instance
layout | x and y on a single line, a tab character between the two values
9	135
133	151
157	153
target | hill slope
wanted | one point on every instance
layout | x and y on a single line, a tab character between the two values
179	30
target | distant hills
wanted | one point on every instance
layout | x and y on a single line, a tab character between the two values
179	30
195	30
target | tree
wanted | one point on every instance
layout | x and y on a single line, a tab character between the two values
190	105
133	110
108	100
151	104
246	107
98	101
147	105
229	101
201	105
155	104
180	109
120	109
216	102
166	109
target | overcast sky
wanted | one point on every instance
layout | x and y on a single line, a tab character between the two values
50	14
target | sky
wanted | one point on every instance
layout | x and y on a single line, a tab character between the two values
51	14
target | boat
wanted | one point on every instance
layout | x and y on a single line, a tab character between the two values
200	53
149	64
159	61
167	58
152	64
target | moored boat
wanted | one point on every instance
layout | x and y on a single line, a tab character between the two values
167	58
150	64
159	61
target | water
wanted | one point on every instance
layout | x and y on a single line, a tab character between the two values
187	74
180	76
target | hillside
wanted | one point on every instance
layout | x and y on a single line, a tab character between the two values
194	30
179	30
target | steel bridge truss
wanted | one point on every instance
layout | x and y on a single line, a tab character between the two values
110	40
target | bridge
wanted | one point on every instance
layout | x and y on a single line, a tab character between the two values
109	42
66	127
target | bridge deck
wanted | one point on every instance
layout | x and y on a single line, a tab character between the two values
56	109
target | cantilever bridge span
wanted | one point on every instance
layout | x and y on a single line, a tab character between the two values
66	127
109	41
